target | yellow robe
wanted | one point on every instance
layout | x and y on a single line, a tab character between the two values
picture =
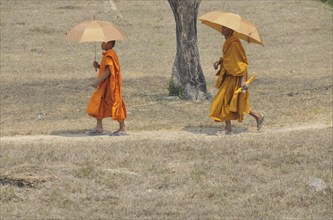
107	100
226	104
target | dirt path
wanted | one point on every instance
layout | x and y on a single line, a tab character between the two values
186	133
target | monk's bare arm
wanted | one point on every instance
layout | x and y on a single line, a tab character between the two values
105	75
218	63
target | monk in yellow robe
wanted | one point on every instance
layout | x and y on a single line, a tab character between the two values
228	105
107	100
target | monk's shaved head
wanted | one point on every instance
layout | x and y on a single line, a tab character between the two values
112	43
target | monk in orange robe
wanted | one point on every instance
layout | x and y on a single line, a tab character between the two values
228	105
107	100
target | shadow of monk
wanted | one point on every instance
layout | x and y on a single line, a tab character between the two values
76	133
212	131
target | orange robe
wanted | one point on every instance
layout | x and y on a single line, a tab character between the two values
107	100
226	104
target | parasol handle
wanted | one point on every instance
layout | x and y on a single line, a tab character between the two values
95	50
95	56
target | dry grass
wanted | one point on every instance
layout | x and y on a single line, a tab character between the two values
262	176
172	165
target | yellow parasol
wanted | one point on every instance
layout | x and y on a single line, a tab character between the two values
243	29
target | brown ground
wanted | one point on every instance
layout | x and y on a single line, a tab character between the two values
176	163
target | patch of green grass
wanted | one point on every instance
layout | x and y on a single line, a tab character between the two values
175	89
329	2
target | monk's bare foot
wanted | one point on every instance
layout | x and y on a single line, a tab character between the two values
228	130
260	121
98	129
124	130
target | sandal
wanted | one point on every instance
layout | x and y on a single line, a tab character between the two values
260	122
94	132
118	133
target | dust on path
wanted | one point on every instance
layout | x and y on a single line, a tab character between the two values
199	133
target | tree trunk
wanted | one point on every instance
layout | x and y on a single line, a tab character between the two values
186	70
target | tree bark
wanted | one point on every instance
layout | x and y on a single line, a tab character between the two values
186	70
